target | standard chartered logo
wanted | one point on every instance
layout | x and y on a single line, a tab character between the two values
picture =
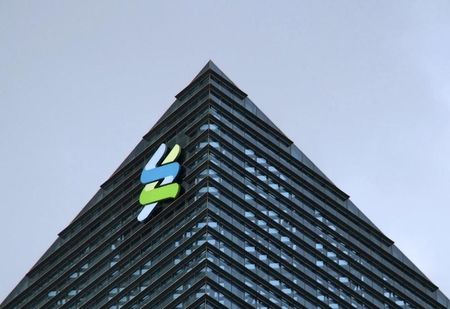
158	178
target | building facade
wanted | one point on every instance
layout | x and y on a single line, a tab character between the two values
249	221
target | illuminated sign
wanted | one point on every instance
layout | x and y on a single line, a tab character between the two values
158	178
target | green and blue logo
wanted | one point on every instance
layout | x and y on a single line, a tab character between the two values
158	178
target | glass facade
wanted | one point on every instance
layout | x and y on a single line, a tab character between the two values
257	225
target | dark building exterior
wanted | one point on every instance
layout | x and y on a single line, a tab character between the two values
256	224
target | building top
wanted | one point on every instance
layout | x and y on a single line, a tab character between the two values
242	176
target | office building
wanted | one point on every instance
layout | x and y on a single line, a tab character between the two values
234	216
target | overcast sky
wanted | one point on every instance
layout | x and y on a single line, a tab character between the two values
362	87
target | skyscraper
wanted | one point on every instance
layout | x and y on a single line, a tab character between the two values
217	208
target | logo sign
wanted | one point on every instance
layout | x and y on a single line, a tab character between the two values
158	176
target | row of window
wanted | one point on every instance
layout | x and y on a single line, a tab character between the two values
109	265
158	264
263	177
136	167
331	254
276	265
98	234
266	148
92	264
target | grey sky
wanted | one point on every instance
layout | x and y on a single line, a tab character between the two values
362	87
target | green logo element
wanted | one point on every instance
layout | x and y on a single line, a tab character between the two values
158	178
